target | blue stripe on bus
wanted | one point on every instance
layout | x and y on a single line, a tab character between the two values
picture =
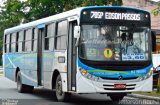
27	62
115	73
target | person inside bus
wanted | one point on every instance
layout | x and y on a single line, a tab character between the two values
123	43
130	39
128	46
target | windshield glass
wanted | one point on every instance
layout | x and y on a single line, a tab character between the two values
114	43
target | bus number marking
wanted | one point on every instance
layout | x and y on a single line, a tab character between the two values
97	15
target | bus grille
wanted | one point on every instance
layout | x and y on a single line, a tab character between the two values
118	89
111	87
118	78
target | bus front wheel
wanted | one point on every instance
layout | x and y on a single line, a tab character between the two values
60	95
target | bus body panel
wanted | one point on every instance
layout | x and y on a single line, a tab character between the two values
8	68
48	60
85	85
26	62
50	64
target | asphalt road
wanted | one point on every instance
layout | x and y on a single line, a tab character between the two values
10	96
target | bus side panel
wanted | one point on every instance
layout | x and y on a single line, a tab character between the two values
26	64
60	65
8	69
47	67
29	74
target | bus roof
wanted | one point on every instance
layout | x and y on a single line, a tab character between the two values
116	7
45	20
62	15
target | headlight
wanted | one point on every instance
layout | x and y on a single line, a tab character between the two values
88	75
141	78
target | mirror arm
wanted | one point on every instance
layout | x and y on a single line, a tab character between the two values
77	41
77	34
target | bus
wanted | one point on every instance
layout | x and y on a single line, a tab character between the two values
95	49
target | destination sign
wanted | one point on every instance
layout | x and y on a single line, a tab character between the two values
115	16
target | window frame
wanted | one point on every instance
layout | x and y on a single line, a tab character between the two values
34	39
49	37
7	43
28	40
57	35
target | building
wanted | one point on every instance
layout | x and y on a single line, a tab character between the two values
148	5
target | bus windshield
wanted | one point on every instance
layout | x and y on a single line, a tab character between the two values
114	43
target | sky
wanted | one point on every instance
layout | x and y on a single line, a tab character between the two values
155	0
24	0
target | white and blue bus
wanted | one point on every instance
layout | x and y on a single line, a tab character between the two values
97	49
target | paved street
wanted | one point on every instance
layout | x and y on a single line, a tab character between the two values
9	94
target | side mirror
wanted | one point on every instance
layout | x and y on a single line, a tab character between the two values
77	32
153	37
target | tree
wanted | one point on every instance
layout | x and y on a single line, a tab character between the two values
43	8
11	15
156	11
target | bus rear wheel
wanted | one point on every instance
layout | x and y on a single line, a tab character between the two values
22	87
60	95
116	96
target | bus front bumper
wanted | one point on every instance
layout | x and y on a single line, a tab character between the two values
85	85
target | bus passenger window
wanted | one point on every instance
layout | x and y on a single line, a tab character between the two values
17	36
34	39
24	38
61	36
20	41
13	42
49	37
28	40
7	40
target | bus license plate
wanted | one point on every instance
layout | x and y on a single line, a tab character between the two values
119	86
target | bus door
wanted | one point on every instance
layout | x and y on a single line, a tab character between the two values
71	60
41	34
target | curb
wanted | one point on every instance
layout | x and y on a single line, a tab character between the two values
144	97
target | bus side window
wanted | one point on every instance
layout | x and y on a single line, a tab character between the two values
61	35
20	41
24	38
28	40
7	40
49	37
34	39
17	36
13	42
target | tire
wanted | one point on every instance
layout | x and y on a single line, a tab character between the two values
29	89
117	96
21	87
60	95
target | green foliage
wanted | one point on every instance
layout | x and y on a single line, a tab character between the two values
43	8
10	15
156	11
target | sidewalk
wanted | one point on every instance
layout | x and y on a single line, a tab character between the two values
144	96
